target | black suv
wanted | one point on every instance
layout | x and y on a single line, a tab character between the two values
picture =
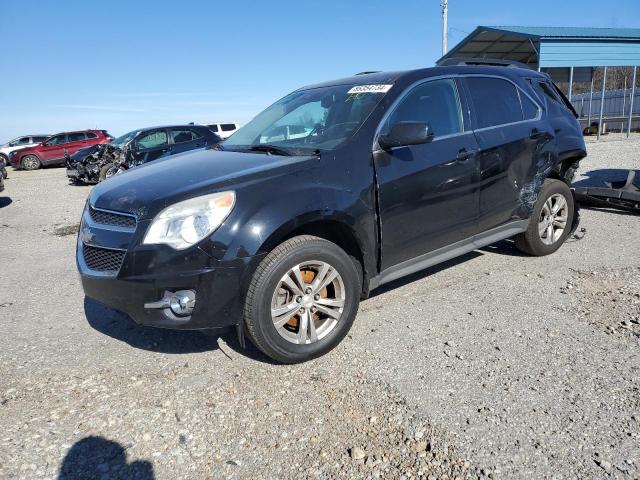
332	191
98	162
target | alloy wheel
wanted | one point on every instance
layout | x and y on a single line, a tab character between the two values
30	162
553	219
308	302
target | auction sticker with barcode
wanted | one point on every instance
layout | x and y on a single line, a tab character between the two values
370	89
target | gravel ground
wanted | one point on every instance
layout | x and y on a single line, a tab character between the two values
493	365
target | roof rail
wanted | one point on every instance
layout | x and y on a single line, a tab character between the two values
366	73
492	62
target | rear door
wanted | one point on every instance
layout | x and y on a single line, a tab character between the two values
151	145
508	127
427	193
185	139
54	149
75	141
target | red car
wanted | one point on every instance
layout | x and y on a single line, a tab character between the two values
52	150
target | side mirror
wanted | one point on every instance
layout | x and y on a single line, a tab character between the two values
406	133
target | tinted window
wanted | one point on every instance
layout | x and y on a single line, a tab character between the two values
545	90
434	103
23	141
153	139
76	137
57	140
213	128
495	101
227	127
92	135
38	139
181	135
529	108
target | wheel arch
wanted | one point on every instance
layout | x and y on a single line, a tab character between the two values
567	165
334	229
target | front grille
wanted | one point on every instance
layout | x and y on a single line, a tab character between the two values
102	259
109	218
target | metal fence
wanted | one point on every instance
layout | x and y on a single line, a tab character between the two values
615	108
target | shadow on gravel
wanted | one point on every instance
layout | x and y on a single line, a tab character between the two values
5	201
97	457
120	327
504	247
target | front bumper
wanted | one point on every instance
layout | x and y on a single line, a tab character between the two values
218	298
148	272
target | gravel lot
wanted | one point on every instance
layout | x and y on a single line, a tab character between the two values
494	364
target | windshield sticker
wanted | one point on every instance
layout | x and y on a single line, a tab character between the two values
370	89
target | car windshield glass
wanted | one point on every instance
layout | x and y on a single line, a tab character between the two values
309	120
124	139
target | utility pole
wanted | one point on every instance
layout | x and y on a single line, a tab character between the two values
445	12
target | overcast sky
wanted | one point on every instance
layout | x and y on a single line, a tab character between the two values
121	65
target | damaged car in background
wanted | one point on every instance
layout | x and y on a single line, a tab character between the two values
99	162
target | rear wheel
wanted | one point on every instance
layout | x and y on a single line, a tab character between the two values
30	162
302	299
551	220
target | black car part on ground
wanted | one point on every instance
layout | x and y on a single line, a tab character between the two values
621	195
92	167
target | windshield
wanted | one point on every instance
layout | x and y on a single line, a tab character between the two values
309	120
124	139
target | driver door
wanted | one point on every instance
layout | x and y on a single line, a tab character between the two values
428	193
54	149
151	145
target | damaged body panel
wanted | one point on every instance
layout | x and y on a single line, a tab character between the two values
92	164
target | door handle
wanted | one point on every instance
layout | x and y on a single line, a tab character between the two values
535	134
464	154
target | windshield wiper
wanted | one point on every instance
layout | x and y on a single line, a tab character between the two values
270	149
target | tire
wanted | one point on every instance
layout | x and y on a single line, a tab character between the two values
5	159
268	292
30	162
538	240
104	172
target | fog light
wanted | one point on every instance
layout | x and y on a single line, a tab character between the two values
182	302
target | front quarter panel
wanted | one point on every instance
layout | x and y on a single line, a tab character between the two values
267	212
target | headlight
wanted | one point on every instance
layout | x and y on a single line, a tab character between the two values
186	223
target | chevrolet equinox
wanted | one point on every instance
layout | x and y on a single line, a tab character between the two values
332	191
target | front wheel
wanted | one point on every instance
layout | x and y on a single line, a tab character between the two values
108	170
551	220
302	299
31	162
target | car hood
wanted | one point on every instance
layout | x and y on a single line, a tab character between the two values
146	190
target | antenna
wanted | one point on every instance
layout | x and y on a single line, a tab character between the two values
445	13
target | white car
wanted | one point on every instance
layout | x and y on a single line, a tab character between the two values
223	130
18	143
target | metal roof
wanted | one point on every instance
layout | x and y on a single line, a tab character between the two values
552	46
569	32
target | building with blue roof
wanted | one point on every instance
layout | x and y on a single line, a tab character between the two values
569	54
